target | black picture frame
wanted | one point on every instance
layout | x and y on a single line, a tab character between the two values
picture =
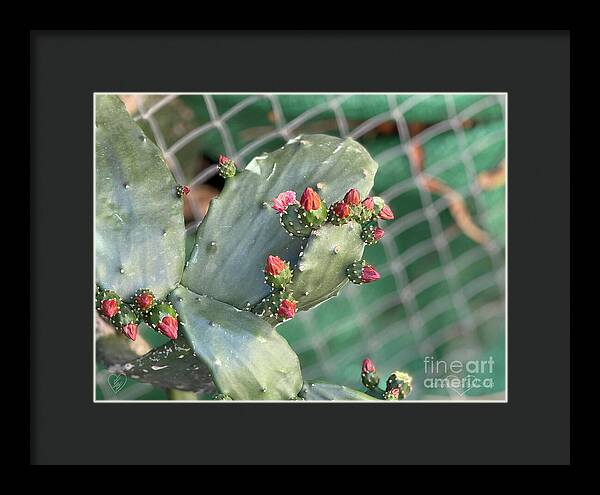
66	67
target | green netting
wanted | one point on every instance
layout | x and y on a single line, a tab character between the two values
441	293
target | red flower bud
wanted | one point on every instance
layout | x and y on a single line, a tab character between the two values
168	327
368	366
352	197
185	190
310	200
131	330
275	265
144	301
287	309
369	204
378	233
369	274
223	160
386	213
109	308
341	210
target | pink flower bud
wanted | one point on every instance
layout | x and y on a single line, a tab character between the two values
275	265
109	308
352	197
185	190
368	366
131	330
283	200
369	274
223	160
287	309
378	233
310	200
386	213
168	327
369	204
395	392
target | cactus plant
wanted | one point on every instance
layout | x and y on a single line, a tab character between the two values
245	274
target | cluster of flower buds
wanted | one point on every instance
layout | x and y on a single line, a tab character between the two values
126	317
226	167
110	306
310	213
397	386
280	305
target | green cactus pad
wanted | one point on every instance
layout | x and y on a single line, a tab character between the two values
280	280
315	218
354	271
172	365
370	380
159	311
241	230
291	221
401	381
248	359
227	169
125	316
321	270
139	220
267	308
103	295
330	391
367	234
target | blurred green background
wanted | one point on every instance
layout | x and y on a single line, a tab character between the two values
441	168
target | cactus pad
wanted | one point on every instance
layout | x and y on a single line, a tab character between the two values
248	359
321	270
139	220
172	365
241	229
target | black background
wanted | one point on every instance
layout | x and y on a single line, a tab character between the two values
534	68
